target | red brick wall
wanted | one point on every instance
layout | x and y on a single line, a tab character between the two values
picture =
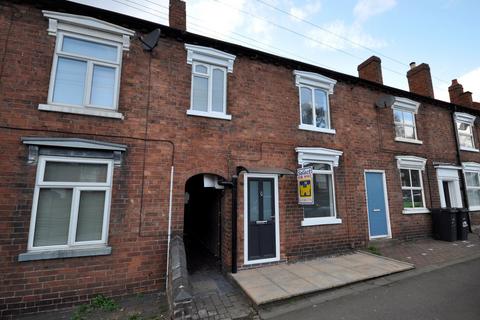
263	132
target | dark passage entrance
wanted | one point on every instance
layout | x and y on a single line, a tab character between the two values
202	222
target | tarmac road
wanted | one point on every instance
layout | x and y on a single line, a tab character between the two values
452	292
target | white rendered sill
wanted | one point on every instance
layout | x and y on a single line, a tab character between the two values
306	222
474	208
259	261
415	141
47	254
81	110
468	149
313	128
216	115
414	211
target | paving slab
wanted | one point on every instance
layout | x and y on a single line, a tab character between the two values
284	281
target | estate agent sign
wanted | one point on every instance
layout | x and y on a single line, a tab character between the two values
305	185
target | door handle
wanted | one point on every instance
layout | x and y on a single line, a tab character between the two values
376	210
261	222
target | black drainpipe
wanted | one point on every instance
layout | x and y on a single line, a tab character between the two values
233	185
459	161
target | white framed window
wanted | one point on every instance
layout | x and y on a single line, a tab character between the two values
323	161
471	171
209	81
86	68
71	203
464	124
413	194
314	91
404	111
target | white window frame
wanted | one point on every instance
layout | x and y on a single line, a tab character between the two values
449	174
77	187
471	167
331	157
314	81
410	106
468	119
93	30
211	59
413	163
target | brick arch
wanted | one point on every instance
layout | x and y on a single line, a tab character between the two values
196	171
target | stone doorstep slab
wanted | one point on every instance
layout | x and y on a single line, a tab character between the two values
281	282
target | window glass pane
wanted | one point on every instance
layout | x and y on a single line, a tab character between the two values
463	128
405	177
399	131
69	84
407	199
415	178
397	116
306	105
201	69
218	77
319	166
90	216
103	86
253	205
408	118
53	217
321	109
200	93
90	49
466	141
417	199
267	200
409	132
472	179
75	172
323	197
473	197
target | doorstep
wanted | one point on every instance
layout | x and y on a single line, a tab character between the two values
280	282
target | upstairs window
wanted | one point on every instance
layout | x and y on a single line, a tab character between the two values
464	124
86	68
314	91
413	194
404	111
209	81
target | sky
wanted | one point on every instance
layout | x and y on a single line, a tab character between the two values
340	34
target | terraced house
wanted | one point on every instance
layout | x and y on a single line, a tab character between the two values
110	145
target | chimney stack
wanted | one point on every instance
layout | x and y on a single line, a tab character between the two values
177	15
457	95
371	69
420	79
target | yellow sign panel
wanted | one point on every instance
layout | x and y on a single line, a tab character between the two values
305	185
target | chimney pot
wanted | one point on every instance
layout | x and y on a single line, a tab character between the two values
371	69
177	15
420	79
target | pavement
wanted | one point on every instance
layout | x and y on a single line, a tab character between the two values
448	293
284	281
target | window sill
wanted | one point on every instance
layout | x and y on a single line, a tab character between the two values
414	141
414	211
64	253
306	222
312	128
469	149
475	208
216	115
81	110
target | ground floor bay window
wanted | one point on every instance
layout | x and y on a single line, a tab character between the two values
323	210
472	180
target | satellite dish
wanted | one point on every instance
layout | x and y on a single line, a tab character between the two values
150	40
385	101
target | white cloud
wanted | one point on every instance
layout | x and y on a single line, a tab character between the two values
303	12
364	9
337	34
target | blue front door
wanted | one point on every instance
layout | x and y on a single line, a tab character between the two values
377	212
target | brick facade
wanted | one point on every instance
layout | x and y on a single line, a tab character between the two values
154	97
